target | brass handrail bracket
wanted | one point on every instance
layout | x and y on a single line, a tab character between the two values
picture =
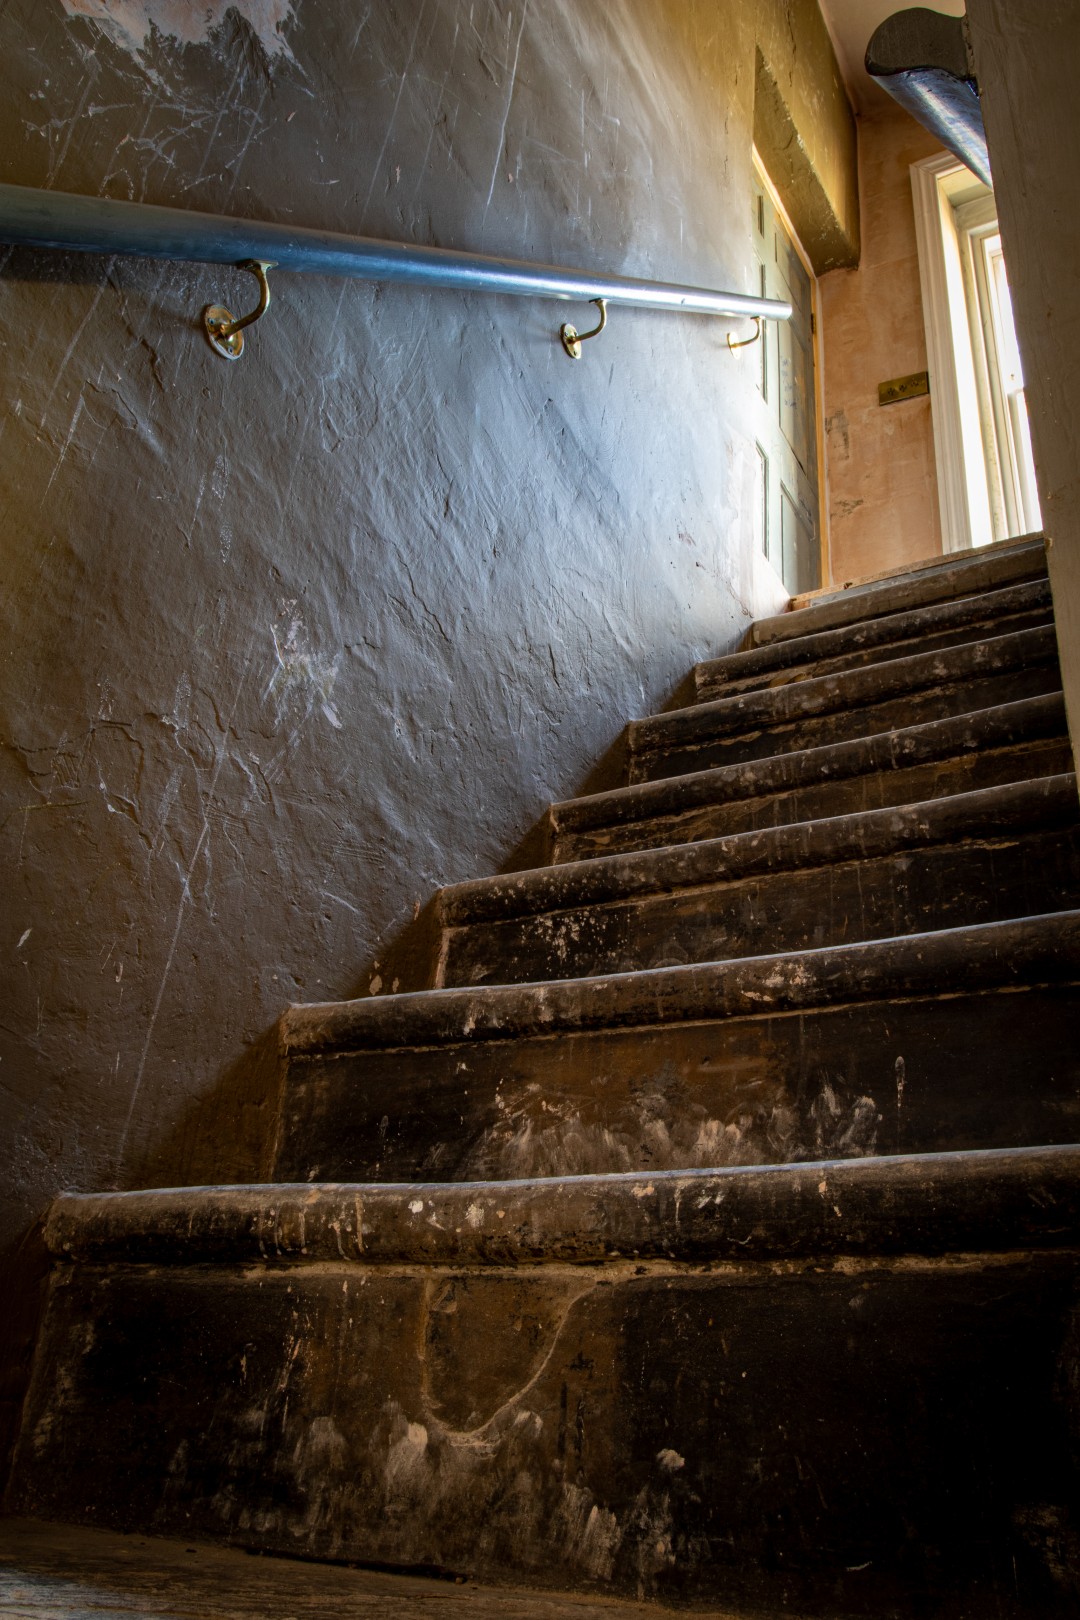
226	334
572	339
745	343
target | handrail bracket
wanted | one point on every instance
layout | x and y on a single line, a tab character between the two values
572	339
734	343
224	332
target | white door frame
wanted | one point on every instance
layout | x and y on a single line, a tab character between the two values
817	360
958	444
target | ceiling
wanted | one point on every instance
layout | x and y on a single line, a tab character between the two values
851	23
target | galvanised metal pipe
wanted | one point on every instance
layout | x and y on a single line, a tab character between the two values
57	219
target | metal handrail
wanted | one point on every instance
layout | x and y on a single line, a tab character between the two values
56	219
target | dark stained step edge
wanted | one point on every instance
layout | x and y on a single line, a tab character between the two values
1020	953
782	657
851	689
982	570
992	1201
991	815
1006	725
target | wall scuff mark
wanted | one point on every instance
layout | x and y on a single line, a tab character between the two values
131	23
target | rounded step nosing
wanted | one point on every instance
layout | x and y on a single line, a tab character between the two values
1012	809
859	688
786	657
980	1201
988	957
979	571
980	730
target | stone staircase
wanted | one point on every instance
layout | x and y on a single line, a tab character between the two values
709	1232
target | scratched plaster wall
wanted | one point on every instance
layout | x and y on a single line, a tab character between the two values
288	644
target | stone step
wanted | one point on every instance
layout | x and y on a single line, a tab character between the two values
1008	743
981	570
52	1571
839	708
697	1066
924	566
1002	852
687	1388
987	1201
925	629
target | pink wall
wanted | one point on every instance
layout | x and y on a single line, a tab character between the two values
882	483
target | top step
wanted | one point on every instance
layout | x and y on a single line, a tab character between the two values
954	576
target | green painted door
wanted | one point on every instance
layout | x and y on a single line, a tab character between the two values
785	427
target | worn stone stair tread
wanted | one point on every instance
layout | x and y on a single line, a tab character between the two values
750	714
650	1368
935	580
921	566
871	640
989	813
984	1201
1028	951
968	858
978	570
1003	726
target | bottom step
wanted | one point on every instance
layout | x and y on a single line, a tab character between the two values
847	1388
67	1572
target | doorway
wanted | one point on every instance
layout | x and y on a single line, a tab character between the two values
788	515
982	441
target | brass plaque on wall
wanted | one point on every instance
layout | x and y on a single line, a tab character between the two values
890	393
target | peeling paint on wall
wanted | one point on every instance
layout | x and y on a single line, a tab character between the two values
131	23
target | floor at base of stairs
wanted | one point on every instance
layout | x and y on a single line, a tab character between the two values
67	1572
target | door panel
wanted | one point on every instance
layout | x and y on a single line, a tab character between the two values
797	539
785	428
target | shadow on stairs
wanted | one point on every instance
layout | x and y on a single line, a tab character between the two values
708	1233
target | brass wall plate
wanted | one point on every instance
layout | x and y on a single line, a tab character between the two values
890	393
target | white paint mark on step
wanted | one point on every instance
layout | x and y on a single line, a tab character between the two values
670	1460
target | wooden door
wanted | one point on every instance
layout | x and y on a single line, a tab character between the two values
788	520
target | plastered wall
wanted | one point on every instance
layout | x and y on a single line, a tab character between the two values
882	479
288	644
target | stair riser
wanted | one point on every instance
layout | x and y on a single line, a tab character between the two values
711	685
876	1078
791	909
913	708
717	1437
846	795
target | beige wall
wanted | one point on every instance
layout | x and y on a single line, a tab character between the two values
1026	58
881	479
